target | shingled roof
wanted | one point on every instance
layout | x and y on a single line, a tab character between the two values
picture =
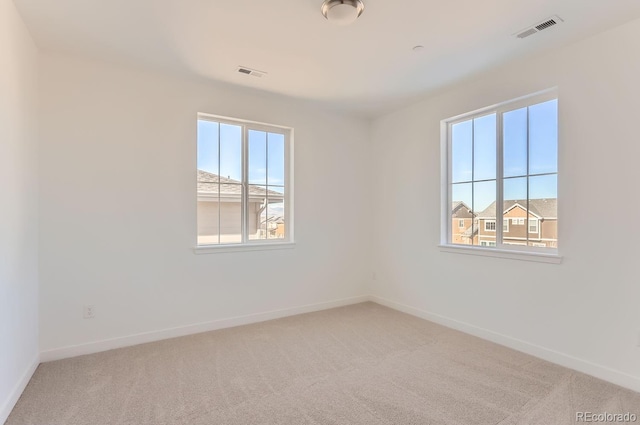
543	208
208	185
457	204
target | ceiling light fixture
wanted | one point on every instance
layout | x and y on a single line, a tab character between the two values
342	12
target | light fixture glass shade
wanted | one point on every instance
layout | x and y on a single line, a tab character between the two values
342	12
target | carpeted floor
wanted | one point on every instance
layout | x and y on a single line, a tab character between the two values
362	364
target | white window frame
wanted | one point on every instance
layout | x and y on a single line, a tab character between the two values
504	250
248	244
461	223
537	225
486	229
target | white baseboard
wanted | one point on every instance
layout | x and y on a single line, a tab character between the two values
141	338
602	372
8	405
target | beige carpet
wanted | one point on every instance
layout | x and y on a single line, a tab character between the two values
362	364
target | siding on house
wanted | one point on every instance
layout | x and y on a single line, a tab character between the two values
542	210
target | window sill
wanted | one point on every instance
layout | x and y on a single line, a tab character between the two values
538	257
219	249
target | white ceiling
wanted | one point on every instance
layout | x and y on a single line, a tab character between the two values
368	67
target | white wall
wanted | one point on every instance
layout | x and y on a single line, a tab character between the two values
118	206
18	207
584	312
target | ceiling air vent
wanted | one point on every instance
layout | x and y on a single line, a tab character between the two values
252	72
547	23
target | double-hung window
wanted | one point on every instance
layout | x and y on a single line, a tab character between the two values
502	162
244	182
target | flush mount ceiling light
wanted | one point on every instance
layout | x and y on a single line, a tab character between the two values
342	12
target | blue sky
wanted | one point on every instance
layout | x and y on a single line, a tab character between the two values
266	154
474	156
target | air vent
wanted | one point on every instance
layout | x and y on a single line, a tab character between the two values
252	72
549	22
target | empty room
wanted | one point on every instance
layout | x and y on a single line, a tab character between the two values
319	212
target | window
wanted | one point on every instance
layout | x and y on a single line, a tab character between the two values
503	161
244	182
461	223
533	227
490	225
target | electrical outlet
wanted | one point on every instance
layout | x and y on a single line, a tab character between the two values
89	311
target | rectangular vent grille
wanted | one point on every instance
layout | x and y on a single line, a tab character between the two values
546	24
549	22
252	72
527	33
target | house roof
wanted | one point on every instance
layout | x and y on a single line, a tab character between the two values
208	185
457	204
470	231
543	208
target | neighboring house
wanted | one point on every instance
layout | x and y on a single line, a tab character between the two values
541	228
274	226
220	212
461	224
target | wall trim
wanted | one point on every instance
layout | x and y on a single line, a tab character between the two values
7	406
142	338
602	372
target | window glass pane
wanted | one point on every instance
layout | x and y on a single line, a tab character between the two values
461	151
515	210
543	137
276	159
543	186
515	142
257	212
484	205
275	217
231	213
515	189
484	145
461	211
208	214
231	152
544	203
207	183
208	146
257	157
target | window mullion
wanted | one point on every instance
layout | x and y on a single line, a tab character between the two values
473	176
528	180
219	188
450	186
499	180
245	186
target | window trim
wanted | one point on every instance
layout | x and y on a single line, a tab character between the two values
248	244
504	250
537	222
